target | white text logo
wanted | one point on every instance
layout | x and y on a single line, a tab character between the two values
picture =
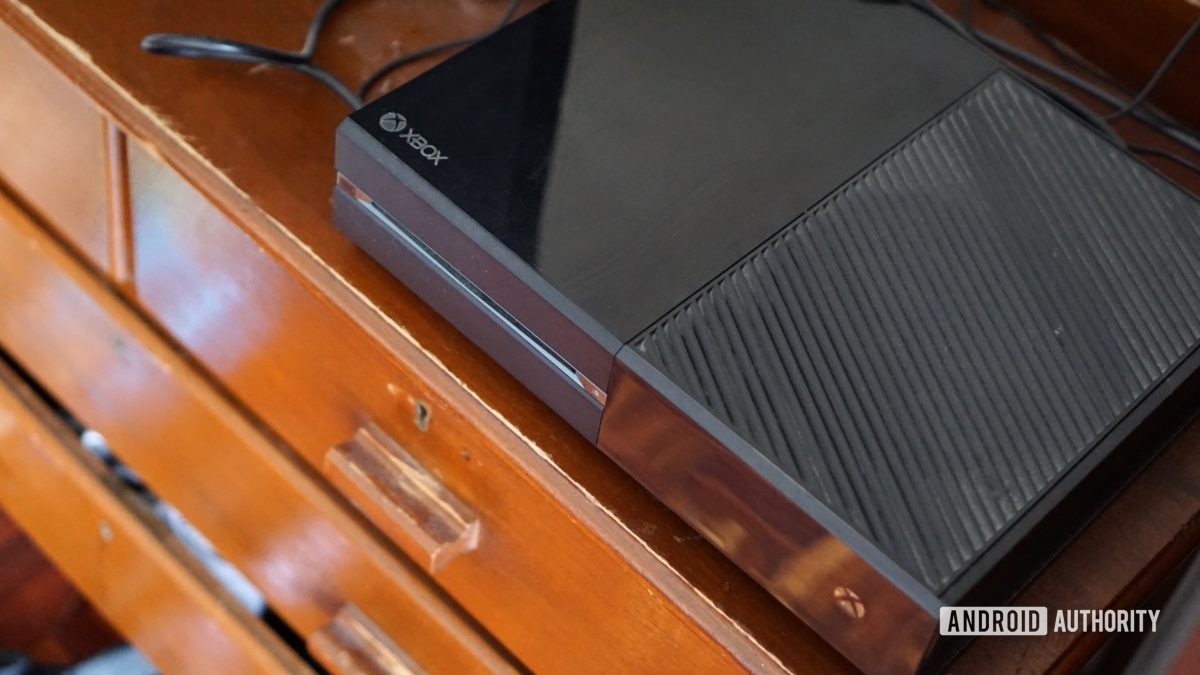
993	621
396	123
1035	621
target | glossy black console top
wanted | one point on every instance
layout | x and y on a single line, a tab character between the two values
873	314
631	151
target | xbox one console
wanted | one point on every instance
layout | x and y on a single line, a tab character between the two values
880	320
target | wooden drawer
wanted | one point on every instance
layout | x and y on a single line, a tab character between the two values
529	554
53	147
90	525
318	565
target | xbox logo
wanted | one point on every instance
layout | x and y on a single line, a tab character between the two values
393	122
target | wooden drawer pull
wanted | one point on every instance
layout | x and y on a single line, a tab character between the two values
396	493
351	644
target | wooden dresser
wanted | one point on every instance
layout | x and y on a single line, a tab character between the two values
169	277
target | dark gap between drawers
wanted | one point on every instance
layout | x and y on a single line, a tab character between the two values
190	540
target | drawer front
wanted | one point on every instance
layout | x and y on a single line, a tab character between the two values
307	553
53	147
123	560
519	551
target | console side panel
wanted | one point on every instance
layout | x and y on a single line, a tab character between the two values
466	312
466	247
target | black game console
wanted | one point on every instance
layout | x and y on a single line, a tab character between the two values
880	320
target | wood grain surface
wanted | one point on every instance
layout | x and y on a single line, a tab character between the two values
301	547
161	600
308	333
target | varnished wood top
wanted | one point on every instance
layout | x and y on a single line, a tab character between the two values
259	142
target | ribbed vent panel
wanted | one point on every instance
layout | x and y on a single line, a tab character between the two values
933	345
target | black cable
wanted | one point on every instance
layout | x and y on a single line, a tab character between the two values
1157	152
1056	47
1087	114
365	88
1167	127
1080	110
207	47
1166	64
313	38
1103	123
202	46
1153	119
